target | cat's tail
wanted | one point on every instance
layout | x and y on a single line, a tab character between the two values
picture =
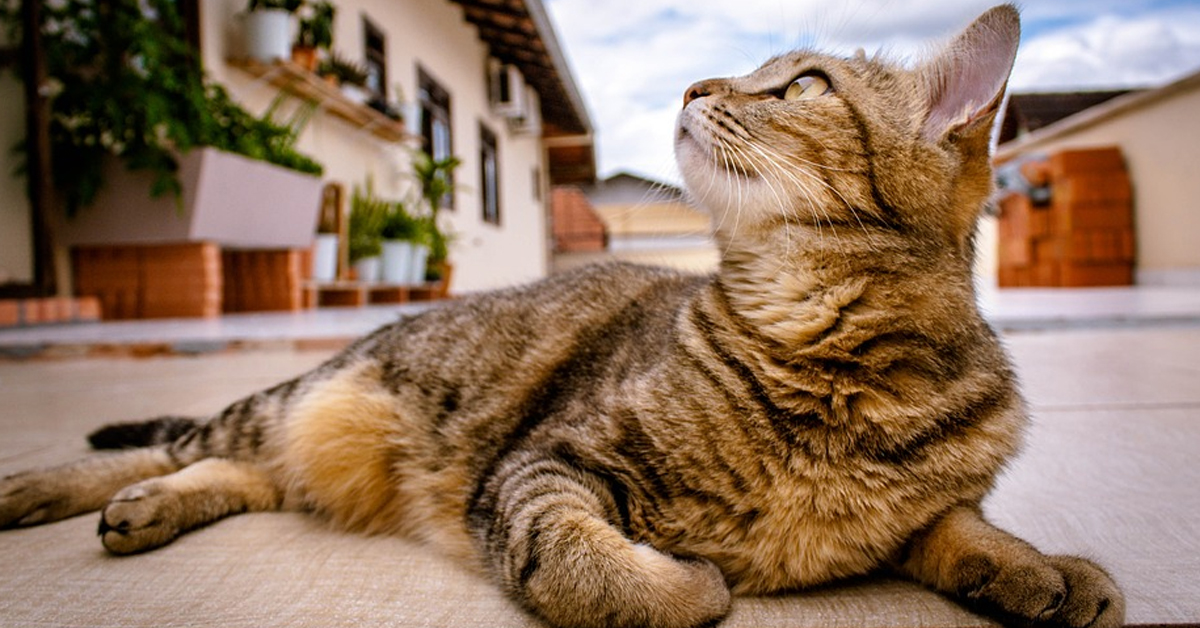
156	431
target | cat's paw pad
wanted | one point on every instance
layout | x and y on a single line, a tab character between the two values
1093	599
1032	591
139	518
1059	591
30	499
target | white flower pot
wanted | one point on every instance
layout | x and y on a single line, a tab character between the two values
420	257
269	35
325	257
397	261
367	269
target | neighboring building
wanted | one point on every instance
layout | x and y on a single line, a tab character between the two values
576	226
439	59
643	221
1027	113
1159	134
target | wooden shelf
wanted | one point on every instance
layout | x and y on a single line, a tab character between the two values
304	84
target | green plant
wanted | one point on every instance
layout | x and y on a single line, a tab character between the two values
435	180
128	85
316	26
291	6
347	72
398	224
368	215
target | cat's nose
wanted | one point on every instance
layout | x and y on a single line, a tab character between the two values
700	90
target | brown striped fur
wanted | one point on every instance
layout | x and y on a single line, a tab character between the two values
627	446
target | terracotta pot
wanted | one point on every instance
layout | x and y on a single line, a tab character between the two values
305	57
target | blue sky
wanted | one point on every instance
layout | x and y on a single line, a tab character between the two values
634	58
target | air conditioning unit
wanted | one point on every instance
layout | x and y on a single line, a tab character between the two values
506	89
530	122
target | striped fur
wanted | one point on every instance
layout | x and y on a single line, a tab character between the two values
627	446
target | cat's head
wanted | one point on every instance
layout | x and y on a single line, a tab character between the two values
824	145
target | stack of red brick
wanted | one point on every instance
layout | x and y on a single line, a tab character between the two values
1083	237
188	280
265	279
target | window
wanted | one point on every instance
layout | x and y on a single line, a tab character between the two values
376	60
489	175
436	137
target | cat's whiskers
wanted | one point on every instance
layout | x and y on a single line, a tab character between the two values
800	162
779	200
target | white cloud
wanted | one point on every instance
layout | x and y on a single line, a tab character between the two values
1110	51
633	59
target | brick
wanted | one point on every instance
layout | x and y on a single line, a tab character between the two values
1098	188
1098	215
10	313
1013	276
1048	250
1096	274
1044	274
87	309
1069	162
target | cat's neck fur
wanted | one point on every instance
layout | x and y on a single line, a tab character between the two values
854	283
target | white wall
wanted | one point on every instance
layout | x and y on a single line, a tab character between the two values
433	35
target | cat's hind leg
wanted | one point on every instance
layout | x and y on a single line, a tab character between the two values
550	536
965	556
54	493
154	512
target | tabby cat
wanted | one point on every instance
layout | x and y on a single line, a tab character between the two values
629	446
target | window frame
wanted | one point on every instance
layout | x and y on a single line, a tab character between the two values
489	176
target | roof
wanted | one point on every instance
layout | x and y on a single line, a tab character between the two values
1098	114
1029	112
520	32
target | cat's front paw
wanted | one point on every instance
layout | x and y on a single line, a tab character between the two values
36	497
1059	591
1093	599
140	517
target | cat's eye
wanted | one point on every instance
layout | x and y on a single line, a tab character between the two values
808	86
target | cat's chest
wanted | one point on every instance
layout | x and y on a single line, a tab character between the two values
802	527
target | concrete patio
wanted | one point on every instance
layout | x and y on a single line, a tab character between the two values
1112	375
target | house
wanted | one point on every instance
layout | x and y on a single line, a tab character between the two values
643	221
1159	135
485	81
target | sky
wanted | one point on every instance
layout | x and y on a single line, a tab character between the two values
633	59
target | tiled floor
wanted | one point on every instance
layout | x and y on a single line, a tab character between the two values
1109	471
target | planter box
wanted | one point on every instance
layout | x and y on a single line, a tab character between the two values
228	199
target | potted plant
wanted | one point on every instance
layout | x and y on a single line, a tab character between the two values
314	34
268	25
435	180
400	235
350	77
368	213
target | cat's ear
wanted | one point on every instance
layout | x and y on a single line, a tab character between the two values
965	83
